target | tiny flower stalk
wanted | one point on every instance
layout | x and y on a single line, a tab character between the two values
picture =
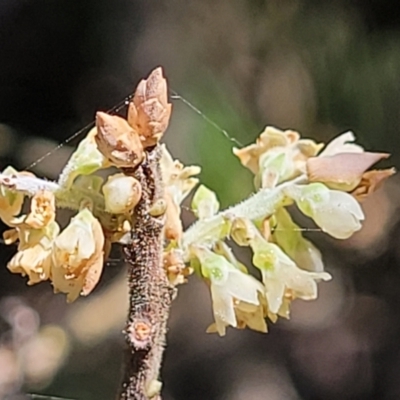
137	203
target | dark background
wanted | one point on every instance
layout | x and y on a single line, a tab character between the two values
320	67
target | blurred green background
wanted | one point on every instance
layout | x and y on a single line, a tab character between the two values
319	67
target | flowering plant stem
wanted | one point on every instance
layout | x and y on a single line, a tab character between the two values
150	294
261	205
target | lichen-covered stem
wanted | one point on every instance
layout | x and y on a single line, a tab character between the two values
150	294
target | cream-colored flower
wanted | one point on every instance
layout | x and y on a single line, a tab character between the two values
10	201
33	257
36	233
280	275
277	156
229	286
78	256
336	213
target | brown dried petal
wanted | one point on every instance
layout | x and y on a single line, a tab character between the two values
43	210
341	171
175	267
118	141
370	182
149	112
173	223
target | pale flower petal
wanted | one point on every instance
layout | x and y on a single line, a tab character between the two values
341	216
229	287
10	202
280	274
289	237
274	291
341	144
78	256
335	212
34	252
223	306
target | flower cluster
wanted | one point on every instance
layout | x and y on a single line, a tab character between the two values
326	183
73	258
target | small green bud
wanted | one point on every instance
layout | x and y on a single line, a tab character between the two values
205	203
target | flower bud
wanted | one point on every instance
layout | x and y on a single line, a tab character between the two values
121	193
205	203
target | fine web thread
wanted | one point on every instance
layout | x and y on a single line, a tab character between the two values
33	396
90	125
115	109
123	103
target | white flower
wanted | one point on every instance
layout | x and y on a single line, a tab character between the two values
281	276
229	286
336	213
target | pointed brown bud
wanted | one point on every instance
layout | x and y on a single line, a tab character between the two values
149	112
118	141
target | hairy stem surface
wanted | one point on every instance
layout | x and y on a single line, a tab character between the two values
150	294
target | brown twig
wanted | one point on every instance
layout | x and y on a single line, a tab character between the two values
150	294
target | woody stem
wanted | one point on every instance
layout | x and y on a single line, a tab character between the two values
150	294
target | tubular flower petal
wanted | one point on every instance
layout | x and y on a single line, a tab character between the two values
280	275
78	256
229	286
149	112
336	213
